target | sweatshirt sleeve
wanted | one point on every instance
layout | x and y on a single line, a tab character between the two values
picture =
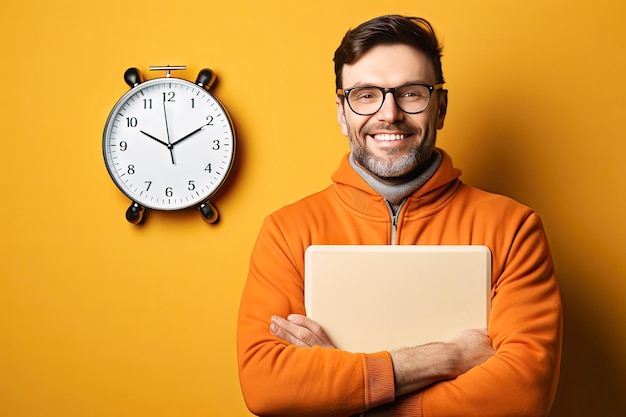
526	328
282	379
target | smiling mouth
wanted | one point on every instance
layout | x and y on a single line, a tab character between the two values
389	136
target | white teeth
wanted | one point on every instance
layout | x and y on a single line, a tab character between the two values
388	136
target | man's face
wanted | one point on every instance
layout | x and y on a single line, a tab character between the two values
391	144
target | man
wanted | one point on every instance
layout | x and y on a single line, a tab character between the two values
396	187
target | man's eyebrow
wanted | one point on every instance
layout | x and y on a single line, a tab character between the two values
362	84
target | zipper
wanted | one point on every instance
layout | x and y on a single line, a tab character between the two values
394	219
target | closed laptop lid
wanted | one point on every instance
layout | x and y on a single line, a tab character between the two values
371	298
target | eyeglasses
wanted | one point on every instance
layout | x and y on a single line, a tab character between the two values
410	98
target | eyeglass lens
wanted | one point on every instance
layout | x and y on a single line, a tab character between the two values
409	98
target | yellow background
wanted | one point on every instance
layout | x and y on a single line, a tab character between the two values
102	318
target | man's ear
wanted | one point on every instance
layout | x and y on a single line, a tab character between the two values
442	108
341	116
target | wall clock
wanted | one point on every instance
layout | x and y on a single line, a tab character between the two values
168	143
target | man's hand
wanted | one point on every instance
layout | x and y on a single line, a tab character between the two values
474	347
417	367
300	331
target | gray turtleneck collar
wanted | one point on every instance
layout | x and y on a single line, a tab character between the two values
394	194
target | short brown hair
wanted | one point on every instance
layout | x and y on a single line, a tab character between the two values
388	30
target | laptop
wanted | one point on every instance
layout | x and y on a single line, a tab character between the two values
370	298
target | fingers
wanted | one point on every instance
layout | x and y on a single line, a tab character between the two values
312	326
300	331
280	328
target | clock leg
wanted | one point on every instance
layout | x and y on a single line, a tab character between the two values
209	212
135	213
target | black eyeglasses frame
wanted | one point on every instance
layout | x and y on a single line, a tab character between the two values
345	93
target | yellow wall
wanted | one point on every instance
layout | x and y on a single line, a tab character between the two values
102	318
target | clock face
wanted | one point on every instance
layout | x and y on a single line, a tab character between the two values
168	144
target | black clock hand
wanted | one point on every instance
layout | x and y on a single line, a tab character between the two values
190	134
167	131
155	138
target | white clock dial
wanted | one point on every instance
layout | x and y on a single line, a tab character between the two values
168	144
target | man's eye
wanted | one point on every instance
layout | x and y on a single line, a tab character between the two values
413	93
364	95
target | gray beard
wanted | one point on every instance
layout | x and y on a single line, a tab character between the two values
387	169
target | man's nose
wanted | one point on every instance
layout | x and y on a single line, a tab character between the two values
389	111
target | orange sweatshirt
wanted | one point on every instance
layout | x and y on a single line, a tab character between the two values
279	379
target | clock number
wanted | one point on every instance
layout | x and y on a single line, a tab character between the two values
131	122
169	96
216	144
191	186
149	185
208	168
123	145
131	169
210	119
193	103
147	103
169	192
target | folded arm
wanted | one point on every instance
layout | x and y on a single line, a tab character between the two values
526	328
413	367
